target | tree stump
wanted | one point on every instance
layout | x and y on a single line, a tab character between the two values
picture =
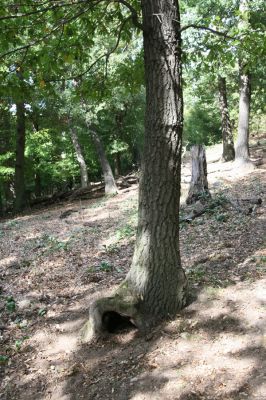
199	183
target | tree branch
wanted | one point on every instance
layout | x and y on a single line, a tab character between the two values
134	14
27	46
42	10
105	55
206	28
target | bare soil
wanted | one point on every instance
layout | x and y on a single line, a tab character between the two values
52	265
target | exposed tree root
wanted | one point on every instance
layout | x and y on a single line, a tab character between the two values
112	313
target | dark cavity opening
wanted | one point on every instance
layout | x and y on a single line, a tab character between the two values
115	323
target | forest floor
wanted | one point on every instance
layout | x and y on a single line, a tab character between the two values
51	268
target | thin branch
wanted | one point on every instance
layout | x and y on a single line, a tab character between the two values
27	46
105	55
41	10
206	28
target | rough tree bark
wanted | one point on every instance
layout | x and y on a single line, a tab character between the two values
19	183
109	181
242	144
228	141
199	184
155	286
79	155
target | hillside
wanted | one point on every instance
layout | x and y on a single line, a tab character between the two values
53	263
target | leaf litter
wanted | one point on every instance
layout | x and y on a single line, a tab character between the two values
51	268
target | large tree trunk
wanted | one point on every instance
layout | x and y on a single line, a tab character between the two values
80	158
242	144
20	158
109	181
228	141
155	286
199	183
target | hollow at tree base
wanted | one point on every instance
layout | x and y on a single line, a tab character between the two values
123	303
123	309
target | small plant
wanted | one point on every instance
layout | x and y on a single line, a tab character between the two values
10	304
105	266
196	273
216	203
3	359
111	249
19	342
125	232
53	244
42	312
204	196
221	217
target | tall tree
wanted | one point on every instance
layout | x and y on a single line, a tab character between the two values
20	199
242	144
228	140
79	155
156	284
110	187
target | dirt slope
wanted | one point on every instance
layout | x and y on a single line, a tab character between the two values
51	268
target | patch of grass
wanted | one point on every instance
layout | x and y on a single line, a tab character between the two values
125	232
221	217
196	274
111	249
51	243
12	224
104	266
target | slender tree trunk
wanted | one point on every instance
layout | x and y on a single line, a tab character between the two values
199	183
155	286
228	141
80	158
20	200
5	147
109	181
38	184
117	161
37	176
242	144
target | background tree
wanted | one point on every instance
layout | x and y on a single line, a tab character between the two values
228	141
